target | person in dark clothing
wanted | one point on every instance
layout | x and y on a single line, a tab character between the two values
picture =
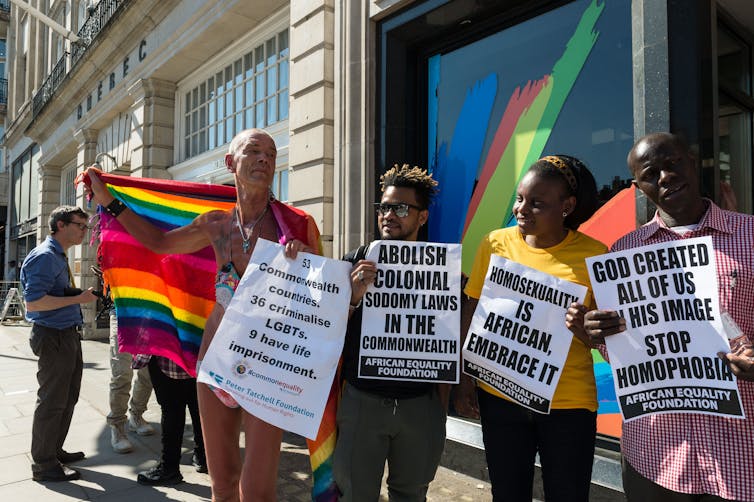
175	390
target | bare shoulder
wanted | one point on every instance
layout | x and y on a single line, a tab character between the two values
212	219
213	223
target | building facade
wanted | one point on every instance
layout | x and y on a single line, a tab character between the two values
474	90
4	176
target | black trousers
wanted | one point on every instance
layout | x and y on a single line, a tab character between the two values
59	372
174	396
513	435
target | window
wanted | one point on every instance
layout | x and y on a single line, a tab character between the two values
68	187
83	13
2	152
252	91
478	107
280	185
2	58
733	60
25	190
736	106
24	36
473	94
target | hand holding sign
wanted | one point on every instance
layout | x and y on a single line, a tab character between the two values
362	276
601	323
277	346
517	342
741	363
575	322
661	295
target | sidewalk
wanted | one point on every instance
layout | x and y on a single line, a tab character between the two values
109	476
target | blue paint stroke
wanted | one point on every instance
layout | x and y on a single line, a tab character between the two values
457	166
608	402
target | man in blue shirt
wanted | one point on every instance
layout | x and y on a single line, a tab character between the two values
54	309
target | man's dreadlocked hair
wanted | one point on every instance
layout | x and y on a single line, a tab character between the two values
411	177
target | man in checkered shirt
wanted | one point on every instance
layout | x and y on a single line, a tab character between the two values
685	456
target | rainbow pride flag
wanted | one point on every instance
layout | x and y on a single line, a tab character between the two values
163	301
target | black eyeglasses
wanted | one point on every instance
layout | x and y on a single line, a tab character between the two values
82	226
400	209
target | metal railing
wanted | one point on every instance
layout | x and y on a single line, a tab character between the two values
99	17
3	91
50	85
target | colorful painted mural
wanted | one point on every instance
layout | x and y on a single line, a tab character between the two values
499	104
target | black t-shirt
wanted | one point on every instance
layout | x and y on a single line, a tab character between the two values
395	389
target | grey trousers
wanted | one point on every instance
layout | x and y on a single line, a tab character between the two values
407	433
120	382
59	372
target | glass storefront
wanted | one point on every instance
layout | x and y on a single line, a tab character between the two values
495	102
735	105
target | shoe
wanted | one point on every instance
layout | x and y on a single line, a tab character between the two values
119	439
65	457
57	473
199	462
158	476
137	424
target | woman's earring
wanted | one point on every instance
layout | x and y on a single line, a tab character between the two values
565	213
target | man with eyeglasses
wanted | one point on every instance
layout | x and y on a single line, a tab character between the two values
53	306
400	422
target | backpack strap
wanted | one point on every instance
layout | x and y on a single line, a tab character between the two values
355	255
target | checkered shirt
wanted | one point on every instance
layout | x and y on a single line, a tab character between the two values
695	453
167	366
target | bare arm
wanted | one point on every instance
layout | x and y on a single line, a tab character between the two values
48	302
186	239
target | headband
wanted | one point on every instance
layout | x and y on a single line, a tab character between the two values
564	168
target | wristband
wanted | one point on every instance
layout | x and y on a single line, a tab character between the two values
354	307
115	208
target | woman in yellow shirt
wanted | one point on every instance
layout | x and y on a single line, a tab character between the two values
556	195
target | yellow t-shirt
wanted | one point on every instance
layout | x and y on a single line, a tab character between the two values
576	388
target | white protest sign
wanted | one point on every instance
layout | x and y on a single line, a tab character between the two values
666	359
410	327
277	347
518	341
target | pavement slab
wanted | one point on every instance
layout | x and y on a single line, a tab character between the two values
109	476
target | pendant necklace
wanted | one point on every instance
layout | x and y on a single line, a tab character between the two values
247	240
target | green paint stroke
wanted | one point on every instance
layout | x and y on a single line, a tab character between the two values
532	132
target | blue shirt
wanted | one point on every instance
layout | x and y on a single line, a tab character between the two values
45	272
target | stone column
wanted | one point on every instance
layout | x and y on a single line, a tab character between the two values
153	113
49	196
354	125
311	149
83	256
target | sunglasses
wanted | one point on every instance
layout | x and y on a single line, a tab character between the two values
400	210
82	226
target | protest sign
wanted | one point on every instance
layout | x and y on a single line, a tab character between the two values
518	341
278	344
666	359
410	327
